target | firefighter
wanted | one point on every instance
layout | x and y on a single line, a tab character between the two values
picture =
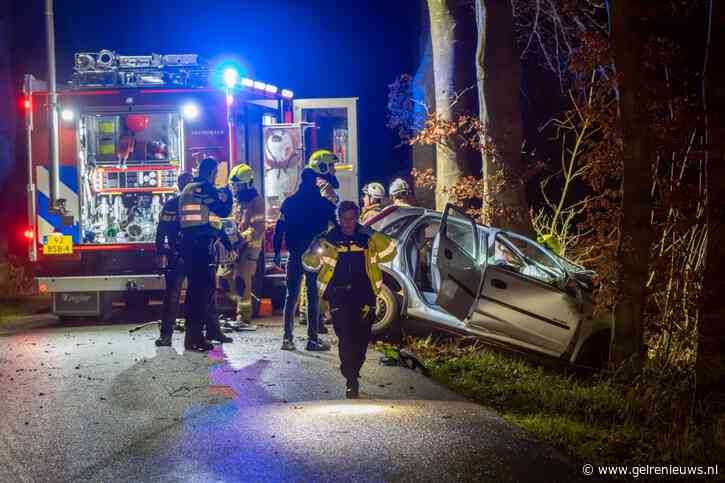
236	280
346	260
373	197
401	193
323	162
304	215
168	259
200	206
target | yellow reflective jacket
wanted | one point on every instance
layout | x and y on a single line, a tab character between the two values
321	257
370	212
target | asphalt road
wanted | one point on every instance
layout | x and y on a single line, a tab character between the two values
95	403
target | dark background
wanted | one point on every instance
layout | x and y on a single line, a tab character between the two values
316	48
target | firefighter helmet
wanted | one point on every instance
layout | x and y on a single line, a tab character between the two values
241	174
322	161
399	187
375	191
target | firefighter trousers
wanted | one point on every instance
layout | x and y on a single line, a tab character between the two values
352	317
236	282
199	268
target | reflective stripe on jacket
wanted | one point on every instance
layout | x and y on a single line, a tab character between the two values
193	206
200	206
322	257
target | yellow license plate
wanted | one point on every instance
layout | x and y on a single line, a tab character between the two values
58	245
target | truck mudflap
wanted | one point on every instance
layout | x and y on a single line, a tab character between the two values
101	283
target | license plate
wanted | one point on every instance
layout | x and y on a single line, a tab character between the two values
58	245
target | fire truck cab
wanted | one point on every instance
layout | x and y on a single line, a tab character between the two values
129	125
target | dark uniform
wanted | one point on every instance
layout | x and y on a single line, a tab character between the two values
349	278
352	301
200	207
168	244
304	215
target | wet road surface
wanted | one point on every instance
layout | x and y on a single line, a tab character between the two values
95	403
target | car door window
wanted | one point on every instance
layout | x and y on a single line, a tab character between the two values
503	255
419	250
536	262
515	253
461	232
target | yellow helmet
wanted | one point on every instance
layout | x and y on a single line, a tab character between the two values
241	174
322	161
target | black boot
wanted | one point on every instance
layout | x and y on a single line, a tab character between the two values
219	338
198	345
352	389
163	341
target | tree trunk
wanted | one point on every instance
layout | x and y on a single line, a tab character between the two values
636	234
499	72
710	368
452	75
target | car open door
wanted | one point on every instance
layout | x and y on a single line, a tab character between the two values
335	121
458	263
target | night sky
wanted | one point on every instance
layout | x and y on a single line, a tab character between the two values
317	48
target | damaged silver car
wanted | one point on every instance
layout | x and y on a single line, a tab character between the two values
496	285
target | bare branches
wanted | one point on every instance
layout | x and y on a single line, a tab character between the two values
551	30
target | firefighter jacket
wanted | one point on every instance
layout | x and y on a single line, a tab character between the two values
323	254
201	209
167	231
304	215
249	215
401	203
370	212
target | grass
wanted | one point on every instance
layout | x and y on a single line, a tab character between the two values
22	306
597	419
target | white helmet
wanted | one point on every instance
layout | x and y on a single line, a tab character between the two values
398	187
374	190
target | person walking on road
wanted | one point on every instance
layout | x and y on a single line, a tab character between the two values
201	205
347	262
304	215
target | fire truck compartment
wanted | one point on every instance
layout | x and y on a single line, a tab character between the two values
102	283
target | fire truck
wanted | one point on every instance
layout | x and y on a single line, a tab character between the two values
105	150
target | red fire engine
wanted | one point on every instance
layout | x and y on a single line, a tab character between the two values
127	126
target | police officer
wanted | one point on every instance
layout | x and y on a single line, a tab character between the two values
401	193
373	197
200	206
347	261
248	215
167	258
304	215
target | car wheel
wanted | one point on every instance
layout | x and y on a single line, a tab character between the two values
387	313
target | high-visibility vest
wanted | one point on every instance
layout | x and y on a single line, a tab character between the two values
322	256
194	210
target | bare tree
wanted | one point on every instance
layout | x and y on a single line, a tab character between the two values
453	77
499	98
638	155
